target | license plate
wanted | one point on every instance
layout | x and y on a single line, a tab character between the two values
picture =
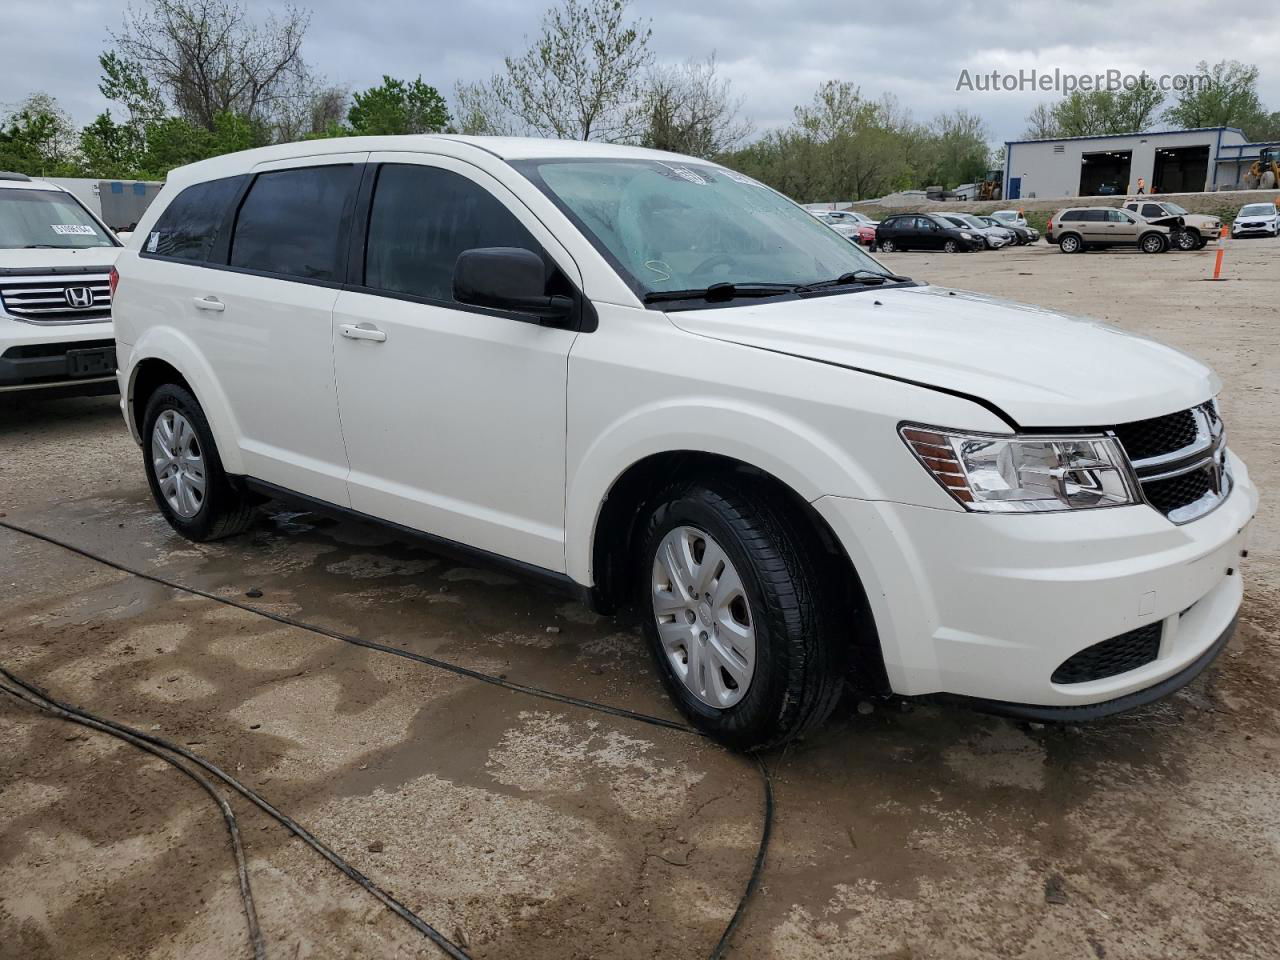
88	363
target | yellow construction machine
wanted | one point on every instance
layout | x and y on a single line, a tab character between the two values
1264	174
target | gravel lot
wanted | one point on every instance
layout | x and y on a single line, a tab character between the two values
526	828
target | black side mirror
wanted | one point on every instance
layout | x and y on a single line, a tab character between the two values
508	278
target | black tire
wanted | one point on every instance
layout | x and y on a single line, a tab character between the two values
225	510
951	247
1202	243
800	664
886	246
1153	243
1070	243
1188	240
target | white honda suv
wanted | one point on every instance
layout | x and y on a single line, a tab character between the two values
55	304
647	378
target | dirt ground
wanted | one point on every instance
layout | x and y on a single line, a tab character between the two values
529	829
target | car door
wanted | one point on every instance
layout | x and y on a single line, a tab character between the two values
928	235
1123	226
263	321
453	415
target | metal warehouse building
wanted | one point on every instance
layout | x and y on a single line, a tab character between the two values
1170	161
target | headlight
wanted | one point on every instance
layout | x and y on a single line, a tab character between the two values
967	236
996	474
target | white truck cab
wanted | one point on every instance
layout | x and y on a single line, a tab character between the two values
55	297
652	380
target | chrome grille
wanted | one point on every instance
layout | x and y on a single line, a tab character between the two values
64	298
1180	461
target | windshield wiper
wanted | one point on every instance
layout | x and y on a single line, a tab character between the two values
50	246
874	277
719	292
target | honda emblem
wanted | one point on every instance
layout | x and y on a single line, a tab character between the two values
80	298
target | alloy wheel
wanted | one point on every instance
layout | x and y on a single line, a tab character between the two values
178	463
703	616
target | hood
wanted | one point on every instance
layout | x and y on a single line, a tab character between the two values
1043	369
46	259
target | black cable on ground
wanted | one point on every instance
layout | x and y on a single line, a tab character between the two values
242	870
390	902
131	734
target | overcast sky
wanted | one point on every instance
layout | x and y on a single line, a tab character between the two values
775	53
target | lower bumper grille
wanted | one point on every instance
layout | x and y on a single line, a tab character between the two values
1110	658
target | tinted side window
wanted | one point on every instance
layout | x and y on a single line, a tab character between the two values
1151	210
422	218
1093	216
1071	215
188	227
291	222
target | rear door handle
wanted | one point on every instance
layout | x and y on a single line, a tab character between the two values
209	303
362	331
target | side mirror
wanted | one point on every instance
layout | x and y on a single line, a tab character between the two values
123	234
508	278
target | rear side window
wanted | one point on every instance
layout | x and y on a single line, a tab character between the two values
188	228
422	218
1071	215
1151	210
291	222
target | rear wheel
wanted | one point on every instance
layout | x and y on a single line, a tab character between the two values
185	472
1153	243
736	616
1070	243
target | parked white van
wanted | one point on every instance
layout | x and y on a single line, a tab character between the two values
647	377
55	305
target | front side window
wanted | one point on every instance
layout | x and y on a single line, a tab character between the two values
188	227
290	222
422	219
1151	210
33	219
672	226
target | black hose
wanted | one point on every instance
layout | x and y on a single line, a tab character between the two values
242	870
422	926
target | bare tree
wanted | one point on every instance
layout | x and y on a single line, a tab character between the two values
578	81
477	111
207	57
1041	123
686	108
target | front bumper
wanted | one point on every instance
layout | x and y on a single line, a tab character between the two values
38	358
988	606
1265	230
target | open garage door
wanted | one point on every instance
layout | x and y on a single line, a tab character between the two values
1181	170
1105	174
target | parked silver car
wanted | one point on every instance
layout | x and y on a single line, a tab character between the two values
994	237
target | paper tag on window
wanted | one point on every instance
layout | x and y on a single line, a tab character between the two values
153	241
72	229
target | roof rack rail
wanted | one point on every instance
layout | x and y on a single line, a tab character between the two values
9	175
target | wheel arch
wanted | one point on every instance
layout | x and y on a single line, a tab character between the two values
164	356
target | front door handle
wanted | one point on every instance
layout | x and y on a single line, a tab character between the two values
362	331
209	303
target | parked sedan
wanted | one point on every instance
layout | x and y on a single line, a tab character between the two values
1021	235
1010	217
1257	220
925	231
838	221
867	237
995	237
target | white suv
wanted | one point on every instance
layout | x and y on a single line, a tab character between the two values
55	303
645	377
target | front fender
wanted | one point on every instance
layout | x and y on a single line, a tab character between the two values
180	352
789	449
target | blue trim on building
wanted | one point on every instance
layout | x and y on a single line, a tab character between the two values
1140	133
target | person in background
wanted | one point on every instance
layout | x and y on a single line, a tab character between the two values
1142	185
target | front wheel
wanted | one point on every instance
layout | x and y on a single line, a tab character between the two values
185	472
735	615
887	246
951	247
1187	240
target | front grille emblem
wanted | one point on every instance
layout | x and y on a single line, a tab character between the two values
80	298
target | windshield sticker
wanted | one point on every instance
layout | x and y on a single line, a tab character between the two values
153	241
72	229
660	267
685	173
738	177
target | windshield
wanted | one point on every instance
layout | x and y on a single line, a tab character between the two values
1175	209
973	221
685	226
1257	210
47	218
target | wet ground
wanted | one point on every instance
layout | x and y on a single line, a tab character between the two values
522	827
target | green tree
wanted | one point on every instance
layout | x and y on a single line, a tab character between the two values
396	107
580	80
1096	113
110	149
37	137
686	108
1224	95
